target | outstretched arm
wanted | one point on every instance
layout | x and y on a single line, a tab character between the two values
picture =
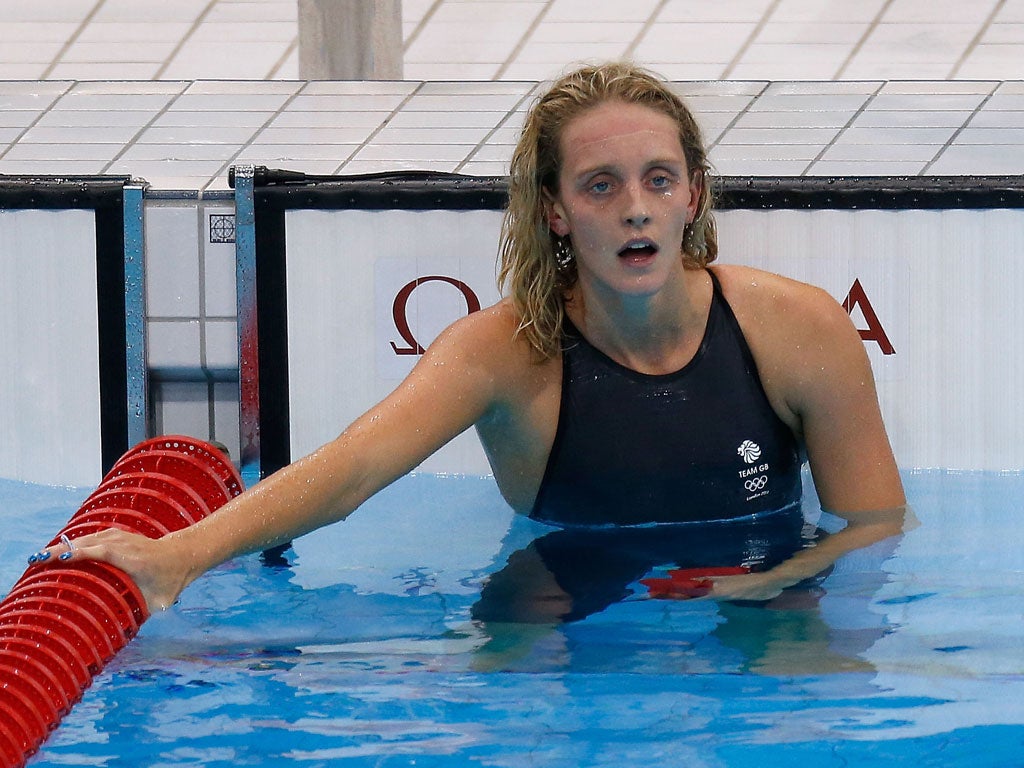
450	388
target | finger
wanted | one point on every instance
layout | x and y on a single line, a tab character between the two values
63	551
69	548
81	548
40	557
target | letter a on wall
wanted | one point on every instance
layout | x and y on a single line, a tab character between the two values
857	297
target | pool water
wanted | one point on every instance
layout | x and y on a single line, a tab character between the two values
376	642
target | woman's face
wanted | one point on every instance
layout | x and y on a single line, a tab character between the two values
625	196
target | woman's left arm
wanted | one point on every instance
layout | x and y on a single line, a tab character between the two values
821	370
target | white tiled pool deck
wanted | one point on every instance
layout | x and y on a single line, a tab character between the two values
528	39
176	93
185	135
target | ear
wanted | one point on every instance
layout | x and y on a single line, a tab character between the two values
696	188
555	214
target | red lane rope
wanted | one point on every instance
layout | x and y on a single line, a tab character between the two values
59	626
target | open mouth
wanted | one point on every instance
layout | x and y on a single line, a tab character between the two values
638	249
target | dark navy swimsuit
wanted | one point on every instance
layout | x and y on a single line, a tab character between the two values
697	445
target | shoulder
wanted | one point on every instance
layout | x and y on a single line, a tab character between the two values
802	339
489	332
766	294
487	343
791	316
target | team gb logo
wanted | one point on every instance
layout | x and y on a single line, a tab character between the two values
750	451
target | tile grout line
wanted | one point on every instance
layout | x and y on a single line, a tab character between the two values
644	29
849	123
863	40
175	319
524	38
483	142
735	119
293	46
958	131
421	25
201	263
976	40
380	127
185	38
72	40
149	124
211	403
762	22
204	318
42	113
226	165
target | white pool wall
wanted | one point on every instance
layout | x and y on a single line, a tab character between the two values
184	135
49	378
941	288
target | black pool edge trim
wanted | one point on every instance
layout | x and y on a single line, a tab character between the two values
426	190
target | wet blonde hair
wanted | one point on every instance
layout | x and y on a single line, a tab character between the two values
530	274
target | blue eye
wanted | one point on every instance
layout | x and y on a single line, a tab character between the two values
661	181
600	187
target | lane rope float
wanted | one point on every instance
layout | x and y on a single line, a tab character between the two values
60	626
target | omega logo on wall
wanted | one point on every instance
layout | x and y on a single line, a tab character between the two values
856	298
400	311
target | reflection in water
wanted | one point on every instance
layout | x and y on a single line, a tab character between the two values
567	575
571	573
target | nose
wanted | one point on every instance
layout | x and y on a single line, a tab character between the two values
635	213
638	220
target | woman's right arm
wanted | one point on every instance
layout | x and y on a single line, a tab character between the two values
454	384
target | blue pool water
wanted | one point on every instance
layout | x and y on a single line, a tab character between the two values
360	647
